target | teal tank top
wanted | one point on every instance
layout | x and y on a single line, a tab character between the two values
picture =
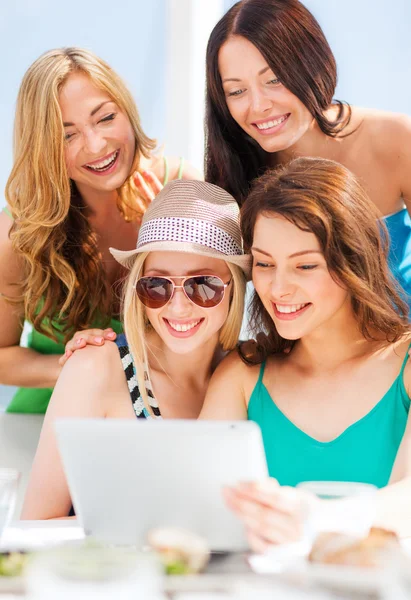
365	452
35	400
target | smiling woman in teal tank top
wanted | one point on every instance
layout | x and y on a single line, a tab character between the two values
329	384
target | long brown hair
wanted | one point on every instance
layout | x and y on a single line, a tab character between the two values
325	198
63	276
295	48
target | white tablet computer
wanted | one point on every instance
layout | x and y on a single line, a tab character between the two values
126	477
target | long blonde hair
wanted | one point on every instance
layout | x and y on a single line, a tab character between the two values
136	323
63	276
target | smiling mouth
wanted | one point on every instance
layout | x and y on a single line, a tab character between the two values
290	312
182	327
103	165
290	308
271	124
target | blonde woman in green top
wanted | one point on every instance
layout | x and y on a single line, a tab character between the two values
83	173
331	387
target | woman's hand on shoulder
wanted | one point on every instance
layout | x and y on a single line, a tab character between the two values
91	337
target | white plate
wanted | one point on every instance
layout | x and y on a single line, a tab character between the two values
290	562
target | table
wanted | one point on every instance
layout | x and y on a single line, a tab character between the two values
225	577
224	571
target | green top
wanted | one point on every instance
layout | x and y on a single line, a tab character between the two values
365	452
35	400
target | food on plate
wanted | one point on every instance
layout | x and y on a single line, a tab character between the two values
12	563
341	549
181	552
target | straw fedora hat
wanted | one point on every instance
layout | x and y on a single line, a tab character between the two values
191	216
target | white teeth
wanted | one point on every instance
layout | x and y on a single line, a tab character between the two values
289	308
184	326
269	124
104	163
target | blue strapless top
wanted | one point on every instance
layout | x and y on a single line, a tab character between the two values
399	257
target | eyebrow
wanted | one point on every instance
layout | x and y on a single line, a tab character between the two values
93	112
259	73
300	253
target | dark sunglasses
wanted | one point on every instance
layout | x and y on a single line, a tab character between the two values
206	291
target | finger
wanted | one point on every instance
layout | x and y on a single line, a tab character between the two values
86	339
92	331
153	181
145	191
271	494
275	526
257	544
64	357
109	334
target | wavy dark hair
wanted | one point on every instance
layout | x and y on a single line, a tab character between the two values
295	48
323	197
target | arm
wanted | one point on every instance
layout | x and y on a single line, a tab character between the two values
18	366
397	147
226	397
393	501
88	387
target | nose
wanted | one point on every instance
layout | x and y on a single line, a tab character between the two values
179	304
281	285
94	142
260	102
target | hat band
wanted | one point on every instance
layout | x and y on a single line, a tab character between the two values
194	231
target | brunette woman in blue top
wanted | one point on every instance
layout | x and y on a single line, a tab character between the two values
271	79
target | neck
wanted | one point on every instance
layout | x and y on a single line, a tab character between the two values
335	342
196	367
314	142
101	205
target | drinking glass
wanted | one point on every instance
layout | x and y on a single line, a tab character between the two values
345	507
9	480
94	572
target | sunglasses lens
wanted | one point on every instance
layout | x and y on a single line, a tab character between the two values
154	292
204	290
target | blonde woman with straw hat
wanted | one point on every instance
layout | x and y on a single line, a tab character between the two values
183	306
83	173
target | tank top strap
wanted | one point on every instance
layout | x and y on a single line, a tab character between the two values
7	211
166	170
261	375
180	168
132	383
404	362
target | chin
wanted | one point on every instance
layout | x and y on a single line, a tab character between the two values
184	349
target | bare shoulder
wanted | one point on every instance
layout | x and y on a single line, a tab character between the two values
388	132
100	364
238	371
175	163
